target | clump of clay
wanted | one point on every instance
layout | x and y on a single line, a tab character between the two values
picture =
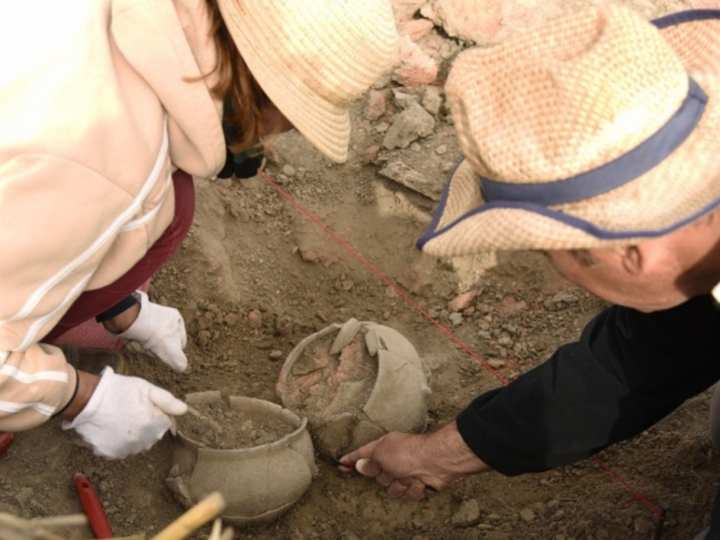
355	382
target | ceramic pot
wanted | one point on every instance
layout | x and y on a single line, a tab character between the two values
259	483
354	382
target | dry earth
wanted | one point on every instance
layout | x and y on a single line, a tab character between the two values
257	274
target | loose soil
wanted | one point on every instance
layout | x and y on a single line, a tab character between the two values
273	259
217	425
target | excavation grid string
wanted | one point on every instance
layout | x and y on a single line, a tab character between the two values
635	493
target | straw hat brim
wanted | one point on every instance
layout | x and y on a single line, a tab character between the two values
681	189
325	124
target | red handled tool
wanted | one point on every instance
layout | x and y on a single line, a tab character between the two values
6	440
93	507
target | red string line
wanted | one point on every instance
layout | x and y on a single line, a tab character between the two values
636	494
382	277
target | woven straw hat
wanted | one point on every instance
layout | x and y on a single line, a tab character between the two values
313	58
598	129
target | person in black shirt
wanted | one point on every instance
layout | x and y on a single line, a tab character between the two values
594	140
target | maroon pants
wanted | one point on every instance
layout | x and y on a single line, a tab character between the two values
91	303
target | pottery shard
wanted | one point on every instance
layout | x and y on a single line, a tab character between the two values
461	301
411	124
415	28
398	401
375	105
405	9
407	176
413	66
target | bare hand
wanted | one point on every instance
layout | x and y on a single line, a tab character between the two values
405	464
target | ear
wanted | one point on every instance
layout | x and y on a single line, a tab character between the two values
632	258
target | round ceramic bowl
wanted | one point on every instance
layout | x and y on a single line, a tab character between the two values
355	382
259	483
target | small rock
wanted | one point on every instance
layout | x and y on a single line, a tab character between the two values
456	318
347	284
371	154
204	337
276	355
468	514
431	100
528	515
566	297
255	319
415	28
24	495
414	66
375	106
461	301
411	124
447	166
643	526
288	171
403	99
404	174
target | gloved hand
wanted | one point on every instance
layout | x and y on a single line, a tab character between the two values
161	330
125	415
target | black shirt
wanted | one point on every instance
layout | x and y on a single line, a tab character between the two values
628	370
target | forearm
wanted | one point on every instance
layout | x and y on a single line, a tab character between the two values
626	372
34	385
444	454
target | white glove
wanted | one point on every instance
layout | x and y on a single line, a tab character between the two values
125	415
161	330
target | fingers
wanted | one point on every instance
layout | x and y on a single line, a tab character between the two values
368	467
176	360
363	453
166	402
183	335
410	489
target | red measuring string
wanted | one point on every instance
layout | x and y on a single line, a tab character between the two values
636	494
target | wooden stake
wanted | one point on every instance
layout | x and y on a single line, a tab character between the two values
194	518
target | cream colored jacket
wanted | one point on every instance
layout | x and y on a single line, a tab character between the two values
99	101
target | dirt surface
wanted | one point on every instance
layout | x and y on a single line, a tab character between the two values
218	425
272	259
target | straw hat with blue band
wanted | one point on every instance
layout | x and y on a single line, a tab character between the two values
313	58
598	129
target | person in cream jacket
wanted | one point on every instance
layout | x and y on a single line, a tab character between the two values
107	109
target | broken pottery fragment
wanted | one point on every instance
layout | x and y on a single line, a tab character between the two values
259	483
355	382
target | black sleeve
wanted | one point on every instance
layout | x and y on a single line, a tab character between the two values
628	370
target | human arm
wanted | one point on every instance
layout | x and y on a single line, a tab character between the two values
405	464
124	415
627	371
85	387
172	49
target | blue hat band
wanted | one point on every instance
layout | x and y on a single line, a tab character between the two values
613	174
